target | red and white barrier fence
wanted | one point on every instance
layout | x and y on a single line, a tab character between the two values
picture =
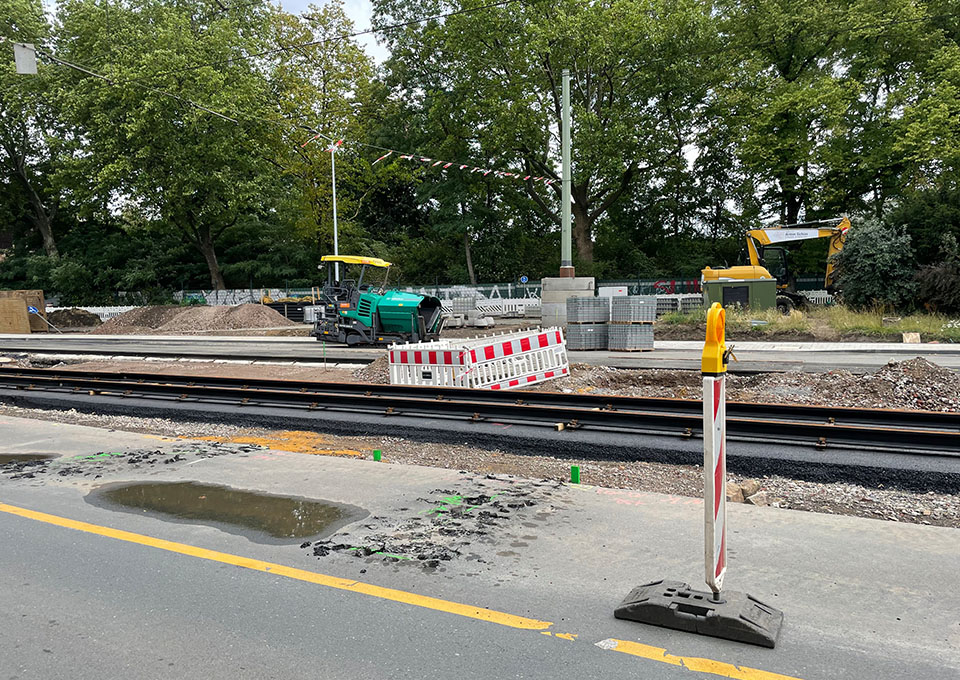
497	362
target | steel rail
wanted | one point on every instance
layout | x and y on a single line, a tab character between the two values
909	431
823	414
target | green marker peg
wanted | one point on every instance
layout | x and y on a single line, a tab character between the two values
574	474
376	455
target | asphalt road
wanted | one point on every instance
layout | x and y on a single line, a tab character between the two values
752	356
89	592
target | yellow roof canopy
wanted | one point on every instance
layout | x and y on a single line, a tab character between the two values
356	259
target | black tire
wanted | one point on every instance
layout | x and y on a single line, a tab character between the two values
784	305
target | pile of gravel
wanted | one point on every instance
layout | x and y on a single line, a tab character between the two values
910	384
174	320
376	372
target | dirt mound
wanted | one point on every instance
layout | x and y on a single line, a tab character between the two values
911	384
174	320
73	318
376	372
136	320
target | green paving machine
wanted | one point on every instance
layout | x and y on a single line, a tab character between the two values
358	312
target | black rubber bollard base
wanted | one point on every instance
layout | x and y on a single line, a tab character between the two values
672	604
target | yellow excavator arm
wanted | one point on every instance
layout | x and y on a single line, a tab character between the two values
801	232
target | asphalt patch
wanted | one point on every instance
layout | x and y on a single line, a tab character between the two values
449	524
95	465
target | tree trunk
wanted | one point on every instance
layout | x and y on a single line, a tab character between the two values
792	196
581	233
45	227
466	248
42	217
205	244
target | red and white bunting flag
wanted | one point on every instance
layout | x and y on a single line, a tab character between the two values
436	164
463	167
310	140
333	147
382	157
426	160
447	165
407	157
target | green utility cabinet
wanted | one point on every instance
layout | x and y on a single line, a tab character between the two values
747	293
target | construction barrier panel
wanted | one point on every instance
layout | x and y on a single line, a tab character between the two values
495	362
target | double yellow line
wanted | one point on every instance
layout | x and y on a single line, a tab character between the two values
502	618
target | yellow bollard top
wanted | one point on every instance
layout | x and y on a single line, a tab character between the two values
714	358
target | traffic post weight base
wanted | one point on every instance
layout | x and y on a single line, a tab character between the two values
674	604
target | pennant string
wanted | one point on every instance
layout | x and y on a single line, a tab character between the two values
434	163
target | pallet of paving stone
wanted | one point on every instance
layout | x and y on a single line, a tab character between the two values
630	337
588	310
633	309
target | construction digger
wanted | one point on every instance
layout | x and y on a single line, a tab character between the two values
358	312
769	261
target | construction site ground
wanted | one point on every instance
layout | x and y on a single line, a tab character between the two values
481	573
908	384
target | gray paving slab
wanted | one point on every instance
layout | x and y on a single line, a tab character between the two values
863	598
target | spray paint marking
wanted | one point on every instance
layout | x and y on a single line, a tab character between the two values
448	503
380	552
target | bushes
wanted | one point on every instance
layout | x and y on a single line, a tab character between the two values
877	267
938	285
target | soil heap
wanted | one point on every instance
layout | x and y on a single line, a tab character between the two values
175	320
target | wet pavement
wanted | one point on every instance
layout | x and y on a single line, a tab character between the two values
261	517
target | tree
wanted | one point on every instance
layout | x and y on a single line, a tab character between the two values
809	90
182	130
491	81
323	87
27	119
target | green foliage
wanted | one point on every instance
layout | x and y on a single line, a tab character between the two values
876	267
939	284
692	122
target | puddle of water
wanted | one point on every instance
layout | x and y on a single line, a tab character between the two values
263	518
24	457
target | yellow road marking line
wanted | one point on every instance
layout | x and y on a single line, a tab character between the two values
693	663
401	596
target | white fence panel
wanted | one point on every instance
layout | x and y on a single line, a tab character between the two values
497	362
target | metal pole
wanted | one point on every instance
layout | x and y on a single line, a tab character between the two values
566	255
333	175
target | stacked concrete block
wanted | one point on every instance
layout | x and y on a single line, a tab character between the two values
588	310
631	323
629	337
633	309
587	336
587	322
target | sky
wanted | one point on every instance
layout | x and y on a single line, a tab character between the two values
359	11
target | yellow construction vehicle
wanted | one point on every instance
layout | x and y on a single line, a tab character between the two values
769	261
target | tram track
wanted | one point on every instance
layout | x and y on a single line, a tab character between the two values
821	428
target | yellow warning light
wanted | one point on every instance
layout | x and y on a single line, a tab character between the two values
714	358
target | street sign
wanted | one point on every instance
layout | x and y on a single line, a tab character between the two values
25	58
32	309
524	279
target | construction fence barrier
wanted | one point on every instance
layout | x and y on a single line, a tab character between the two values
493	362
